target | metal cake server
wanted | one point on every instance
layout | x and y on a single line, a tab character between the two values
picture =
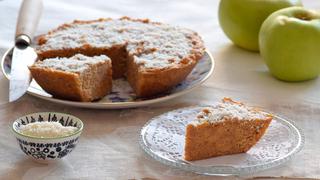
22	54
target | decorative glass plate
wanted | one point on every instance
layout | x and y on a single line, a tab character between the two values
163	139
122	95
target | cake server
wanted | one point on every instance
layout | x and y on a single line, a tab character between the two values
23	55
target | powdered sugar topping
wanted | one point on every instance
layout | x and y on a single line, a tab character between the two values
229	110
76	63
152	44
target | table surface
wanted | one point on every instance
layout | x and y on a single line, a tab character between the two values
109	144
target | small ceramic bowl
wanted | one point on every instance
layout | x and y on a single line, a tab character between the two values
46	150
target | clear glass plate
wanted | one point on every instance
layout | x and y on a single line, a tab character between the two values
163	139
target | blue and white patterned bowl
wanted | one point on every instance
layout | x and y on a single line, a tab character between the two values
46	150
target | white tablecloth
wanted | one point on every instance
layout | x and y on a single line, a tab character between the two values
109	145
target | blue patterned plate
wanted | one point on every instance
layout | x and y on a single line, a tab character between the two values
122	95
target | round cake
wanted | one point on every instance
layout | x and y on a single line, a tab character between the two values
152	56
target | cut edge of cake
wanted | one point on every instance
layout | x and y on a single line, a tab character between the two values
225	128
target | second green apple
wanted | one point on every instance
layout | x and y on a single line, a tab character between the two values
241	19
290	44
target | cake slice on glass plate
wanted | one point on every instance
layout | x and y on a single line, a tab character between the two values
225	128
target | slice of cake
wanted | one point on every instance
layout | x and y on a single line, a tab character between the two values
225	128
79	78
154	57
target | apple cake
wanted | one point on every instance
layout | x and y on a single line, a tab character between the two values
225	128
152	56
79	78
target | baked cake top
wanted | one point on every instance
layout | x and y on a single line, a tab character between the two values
229	109
154	45
76	63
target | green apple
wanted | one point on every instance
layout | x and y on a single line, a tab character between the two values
241	19
289	42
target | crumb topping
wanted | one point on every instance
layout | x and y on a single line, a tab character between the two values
152	44
76	63
229	109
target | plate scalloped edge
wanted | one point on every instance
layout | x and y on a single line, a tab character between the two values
223	170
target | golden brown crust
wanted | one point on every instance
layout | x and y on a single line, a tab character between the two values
149	83
224	137
58	83
89	85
